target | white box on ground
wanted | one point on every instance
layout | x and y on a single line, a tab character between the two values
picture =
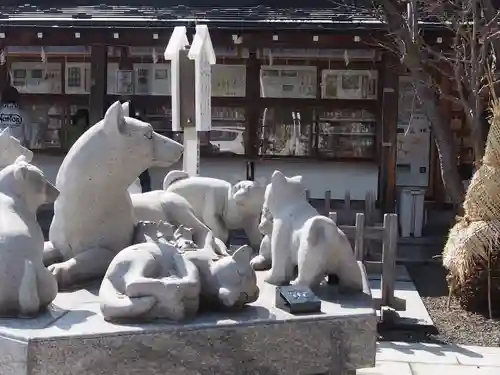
178	41
411	211
202	52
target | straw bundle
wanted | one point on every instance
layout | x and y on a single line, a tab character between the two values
482	201
468	244
472	252
492	150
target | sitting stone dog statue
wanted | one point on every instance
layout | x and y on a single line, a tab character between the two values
303	238
219	205
155	280
26	286
93	215
11	149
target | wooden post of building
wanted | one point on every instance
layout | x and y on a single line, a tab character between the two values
389	117
252	110
98	89
187	100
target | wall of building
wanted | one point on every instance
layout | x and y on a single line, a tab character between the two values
338	177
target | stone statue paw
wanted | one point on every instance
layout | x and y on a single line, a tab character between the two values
60	272
276	279
259	263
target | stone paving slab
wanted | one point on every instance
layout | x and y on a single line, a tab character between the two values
400	358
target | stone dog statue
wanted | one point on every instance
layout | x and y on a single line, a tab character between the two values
219	205
11	149
26	286
155	280
93	216
262	261
303	238
160	205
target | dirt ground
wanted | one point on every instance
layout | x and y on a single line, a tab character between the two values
453	324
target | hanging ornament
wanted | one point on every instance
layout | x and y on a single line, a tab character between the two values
3	59
346	57
155	56
43	56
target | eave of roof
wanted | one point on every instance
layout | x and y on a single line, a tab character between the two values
336	17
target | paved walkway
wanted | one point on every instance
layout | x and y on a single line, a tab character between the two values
400	358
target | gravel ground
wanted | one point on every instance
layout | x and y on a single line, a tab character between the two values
454	325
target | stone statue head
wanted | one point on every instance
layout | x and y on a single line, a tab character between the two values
236	279
283	191
266	222
30	183
11	149
135	141
248	196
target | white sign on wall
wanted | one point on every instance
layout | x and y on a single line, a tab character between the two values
229	80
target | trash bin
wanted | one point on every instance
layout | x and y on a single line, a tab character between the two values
411	212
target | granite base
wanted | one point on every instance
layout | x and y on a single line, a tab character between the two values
72	338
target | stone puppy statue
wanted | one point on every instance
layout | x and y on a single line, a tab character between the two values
155	280
164	206
26	286
303	238
262	261
219	205
93	216
11	149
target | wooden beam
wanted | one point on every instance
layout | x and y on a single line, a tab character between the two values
389	118
98	88
252	105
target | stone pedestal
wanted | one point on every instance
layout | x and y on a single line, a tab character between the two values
72	338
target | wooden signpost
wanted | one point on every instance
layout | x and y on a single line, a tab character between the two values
191	90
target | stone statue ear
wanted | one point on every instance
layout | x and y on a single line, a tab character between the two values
278	178
126	109
114	119
21	159
296	179
243	255
5	133
20	172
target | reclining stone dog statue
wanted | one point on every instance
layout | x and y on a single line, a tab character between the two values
93	215
219	205
164	206
156	280
303	238
262	261
26	286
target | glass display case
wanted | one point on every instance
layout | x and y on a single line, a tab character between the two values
228	133
45	126
286	132
347	134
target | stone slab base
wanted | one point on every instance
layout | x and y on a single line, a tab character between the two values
72	338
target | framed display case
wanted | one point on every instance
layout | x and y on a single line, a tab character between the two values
77	78
347	134
152	79
288	81
228	134
286	132
349	84
36	78
46	126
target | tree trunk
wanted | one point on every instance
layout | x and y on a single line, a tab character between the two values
442	136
